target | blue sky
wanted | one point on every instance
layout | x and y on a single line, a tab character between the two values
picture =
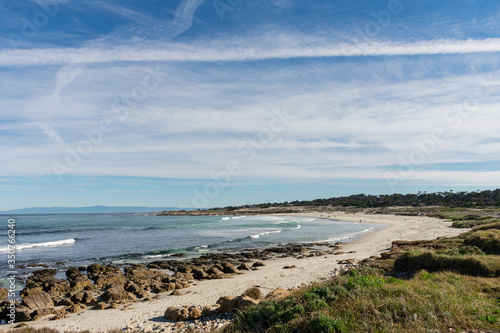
199	103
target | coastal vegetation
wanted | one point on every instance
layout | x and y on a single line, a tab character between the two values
449	284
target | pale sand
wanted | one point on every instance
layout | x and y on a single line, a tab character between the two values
268	277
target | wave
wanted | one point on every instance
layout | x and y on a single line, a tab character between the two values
238	217
265	233
44	244
348	236
225	218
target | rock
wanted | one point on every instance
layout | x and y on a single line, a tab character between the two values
243	267
59	315
277	294
258	264
242	302
23	313
182	314
65	302
106	276
77	280
230	269
38	299
117	294
176	293
21	325
224	304
289	267
100	306
253	293
42	312
346	261
199	274
3	293
113	306
75	308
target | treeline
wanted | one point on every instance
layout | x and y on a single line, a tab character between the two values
450	198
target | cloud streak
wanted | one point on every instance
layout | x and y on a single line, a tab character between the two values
186	53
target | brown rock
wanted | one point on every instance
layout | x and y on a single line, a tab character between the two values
258	264
117	294
224	303
38	299
59	315
75	308
243	267
289	267
242	302
100	306
23	313
176	293
278	294
3	293
43	312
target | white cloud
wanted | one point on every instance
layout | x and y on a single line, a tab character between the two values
207	53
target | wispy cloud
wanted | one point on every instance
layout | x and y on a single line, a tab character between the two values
182	52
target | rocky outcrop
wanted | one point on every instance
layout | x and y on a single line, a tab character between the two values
38	299
183	313
117	295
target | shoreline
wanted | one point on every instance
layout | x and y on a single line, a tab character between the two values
269	277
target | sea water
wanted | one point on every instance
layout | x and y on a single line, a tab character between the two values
61	241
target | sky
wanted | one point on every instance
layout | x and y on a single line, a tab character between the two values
206	103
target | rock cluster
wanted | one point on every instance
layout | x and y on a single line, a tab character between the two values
224	305
108	286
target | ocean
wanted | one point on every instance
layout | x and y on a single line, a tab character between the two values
61	241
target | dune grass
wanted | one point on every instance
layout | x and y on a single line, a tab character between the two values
366	300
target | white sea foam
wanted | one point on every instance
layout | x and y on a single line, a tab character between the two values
348	236
153	256
265	233
225	218
44	244
238	217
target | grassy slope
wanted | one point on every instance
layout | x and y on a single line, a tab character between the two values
461	292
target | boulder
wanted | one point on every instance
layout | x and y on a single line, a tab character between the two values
75	308
230	269
23	313
77	280
40	313
182	314
3	293
278	294
117	294
231	303
258	264
243	267
199	274
38	299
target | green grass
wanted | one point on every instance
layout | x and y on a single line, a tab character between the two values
487	240
367	301
469	264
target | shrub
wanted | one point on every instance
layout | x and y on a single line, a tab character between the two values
323	323
253	293
487	240
415	261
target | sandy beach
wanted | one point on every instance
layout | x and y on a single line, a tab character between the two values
150	314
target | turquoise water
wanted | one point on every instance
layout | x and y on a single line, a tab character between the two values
72	240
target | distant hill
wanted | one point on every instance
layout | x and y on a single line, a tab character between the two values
87	210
